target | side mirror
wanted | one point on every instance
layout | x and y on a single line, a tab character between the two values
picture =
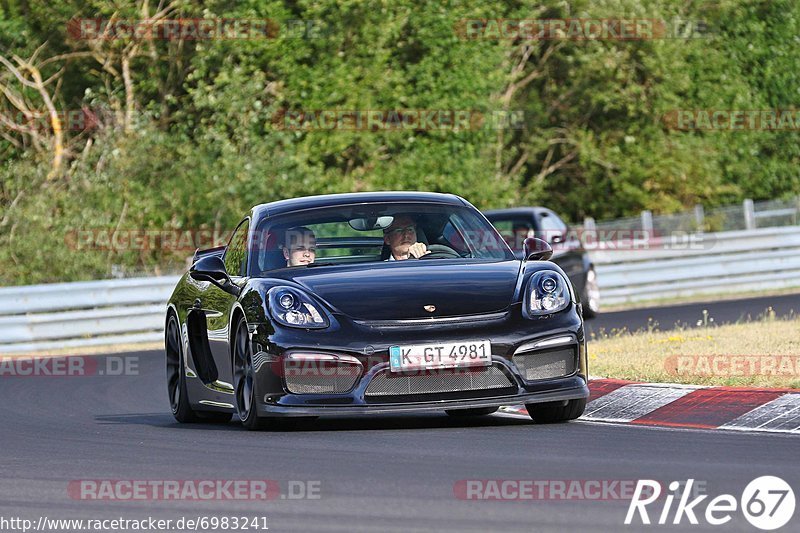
211	268
534	249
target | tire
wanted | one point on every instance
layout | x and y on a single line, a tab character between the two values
176	381
244	383
551	412
475	411
176	374
590	297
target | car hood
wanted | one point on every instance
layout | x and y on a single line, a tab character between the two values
401	290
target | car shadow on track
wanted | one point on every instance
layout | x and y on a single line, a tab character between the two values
373	423
365	423
161	420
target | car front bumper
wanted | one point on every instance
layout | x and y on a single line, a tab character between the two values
508	335
282	410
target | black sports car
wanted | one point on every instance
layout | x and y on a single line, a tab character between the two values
394	302
516	224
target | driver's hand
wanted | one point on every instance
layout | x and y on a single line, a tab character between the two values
417	250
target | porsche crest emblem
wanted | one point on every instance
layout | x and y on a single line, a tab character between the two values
430	308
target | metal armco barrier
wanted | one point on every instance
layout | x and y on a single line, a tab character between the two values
712	263
86	313
64	315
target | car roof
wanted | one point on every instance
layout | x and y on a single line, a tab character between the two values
330	200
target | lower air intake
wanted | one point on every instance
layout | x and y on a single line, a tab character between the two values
546	364
438	381
321	378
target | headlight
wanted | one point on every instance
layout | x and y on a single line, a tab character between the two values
296	309
547	293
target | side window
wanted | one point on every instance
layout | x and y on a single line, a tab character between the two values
454	238
514	231
551	228
236	254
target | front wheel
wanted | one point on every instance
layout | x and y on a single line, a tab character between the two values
244	381
591	295
176	381
176	374
550	412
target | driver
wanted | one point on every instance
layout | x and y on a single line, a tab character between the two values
521	232
401	237
301	247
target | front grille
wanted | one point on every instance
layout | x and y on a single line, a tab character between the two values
337	379
546	364
386	384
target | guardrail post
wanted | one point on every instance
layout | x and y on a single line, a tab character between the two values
699	217
796	217
647	223
749	214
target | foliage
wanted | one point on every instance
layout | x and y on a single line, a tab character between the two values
195	138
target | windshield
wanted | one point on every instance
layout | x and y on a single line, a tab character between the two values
373	233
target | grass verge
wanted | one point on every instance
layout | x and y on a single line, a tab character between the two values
764	353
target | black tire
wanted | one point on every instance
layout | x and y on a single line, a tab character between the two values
475	411
590	296
176	374
551	412
244	383
176	381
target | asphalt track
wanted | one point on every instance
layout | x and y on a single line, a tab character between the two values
374	474
687	315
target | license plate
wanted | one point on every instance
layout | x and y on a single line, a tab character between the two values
443	355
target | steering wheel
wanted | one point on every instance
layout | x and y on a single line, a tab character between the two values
440	251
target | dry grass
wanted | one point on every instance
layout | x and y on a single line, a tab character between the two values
657	356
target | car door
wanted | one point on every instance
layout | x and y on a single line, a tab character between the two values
218	305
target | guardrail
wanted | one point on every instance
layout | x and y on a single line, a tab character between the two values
65	315
710	263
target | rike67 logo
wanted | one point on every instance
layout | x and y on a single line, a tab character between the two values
767	502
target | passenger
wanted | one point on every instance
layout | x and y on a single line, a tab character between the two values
300	247
401	238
